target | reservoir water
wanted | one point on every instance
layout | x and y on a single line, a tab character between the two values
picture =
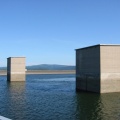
53	97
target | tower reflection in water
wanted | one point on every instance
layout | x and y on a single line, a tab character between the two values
16	101
92	106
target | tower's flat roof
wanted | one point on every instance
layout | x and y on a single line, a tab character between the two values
109	44
98	45
15	57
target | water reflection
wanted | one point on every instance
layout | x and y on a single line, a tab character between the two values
3	95
15	105
111	106
92	106
39	99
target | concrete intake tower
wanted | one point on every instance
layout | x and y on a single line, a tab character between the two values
98	68
16	69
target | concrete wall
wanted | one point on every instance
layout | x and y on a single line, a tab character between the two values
88	69
16	69
98	68
110	68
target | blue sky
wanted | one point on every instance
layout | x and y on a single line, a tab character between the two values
49	31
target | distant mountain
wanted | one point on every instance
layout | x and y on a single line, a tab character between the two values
50	67
3	68
47	67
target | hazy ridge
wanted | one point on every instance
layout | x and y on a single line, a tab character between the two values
47	67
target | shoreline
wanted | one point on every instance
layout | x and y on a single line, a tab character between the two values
4	72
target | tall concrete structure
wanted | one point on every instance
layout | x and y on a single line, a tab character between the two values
16	69
98	68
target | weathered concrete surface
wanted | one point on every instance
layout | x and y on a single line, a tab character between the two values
110	68
16	69
88	69
98	68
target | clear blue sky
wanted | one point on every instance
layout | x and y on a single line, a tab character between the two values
49	31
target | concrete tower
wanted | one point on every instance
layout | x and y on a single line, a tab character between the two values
16	69
98	68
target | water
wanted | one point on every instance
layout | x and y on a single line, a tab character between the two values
53	97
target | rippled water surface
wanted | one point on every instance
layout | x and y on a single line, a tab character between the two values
53	97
